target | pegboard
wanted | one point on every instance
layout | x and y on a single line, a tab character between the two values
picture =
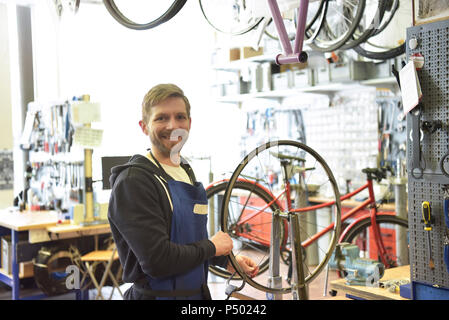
433	45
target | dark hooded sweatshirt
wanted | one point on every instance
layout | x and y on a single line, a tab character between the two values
140	217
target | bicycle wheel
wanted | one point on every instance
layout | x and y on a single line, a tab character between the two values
253	236
129	13
314	12
271	165
229	16
341	20
389	40
368	26
394	233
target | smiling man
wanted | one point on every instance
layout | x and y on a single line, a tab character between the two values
158	211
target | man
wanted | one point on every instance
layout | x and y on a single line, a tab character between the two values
158	211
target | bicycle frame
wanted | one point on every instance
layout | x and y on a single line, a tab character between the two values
370	202
296	54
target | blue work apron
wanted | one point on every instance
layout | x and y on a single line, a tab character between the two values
189	225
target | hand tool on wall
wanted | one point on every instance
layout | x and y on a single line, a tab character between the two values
428	220
446	220
418	165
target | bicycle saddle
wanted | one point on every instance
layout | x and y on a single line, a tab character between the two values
285	156
376	173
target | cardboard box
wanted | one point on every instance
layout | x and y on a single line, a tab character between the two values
25	251
293	66
234	54
26	269
248	52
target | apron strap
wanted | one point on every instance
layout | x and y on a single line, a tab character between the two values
184	164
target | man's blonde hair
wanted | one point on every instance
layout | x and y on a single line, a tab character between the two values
159	93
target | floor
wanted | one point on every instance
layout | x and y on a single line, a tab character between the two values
217	287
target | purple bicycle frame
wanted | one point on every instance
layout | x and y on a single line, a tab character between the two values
296	54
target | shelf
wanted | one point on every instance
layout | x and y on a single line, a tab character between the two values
324	89
237	65
25	273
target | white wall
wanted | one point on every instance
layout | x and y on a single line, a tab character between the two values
6	136
91	53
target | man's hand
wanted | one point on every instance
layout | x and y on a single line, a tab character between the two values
223	243
247	265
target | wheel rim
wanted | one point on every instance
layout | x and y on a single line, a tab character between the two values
395	239
243	171
250	237
229	16
146	15
339	25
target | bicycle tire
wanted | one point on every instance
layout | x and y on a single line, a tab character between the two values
370	31
257	191
338	43
49	281
332	241
309	24
382	219
123	20
393	9
235	33
385	55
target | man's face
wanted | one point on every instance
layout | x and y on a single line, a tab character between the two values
166	117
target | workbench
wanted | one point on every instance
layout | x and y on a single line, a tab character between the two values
373	293
41	226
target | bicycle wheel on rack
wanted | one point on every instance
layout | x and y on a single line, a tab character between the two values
341	20
389	40
394	233
233	17
253	236
369	24
143	15
268	164
314	15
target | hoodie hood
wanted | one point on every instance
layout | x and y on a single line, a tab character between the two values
135	161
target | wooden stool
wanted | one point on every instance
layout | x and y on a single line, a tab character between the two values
106	258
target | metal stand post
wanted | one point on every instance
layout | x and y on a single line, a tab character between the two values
275	279
299	289
400	199
88	188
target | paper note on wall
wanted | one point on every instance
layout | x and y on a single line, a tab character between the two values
410	87
88	137
86	112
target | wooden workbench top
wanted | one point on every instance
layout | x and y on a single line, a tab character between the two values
374	293
14	219
76	228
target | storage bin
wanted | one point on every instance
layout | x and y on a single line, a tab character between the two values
322	75
349	71
282	81
381	70
302	78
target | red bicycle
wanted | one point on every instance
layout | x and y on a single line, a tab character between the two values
273	180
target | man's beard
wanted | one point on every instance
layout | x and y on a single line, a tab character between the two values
158	144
